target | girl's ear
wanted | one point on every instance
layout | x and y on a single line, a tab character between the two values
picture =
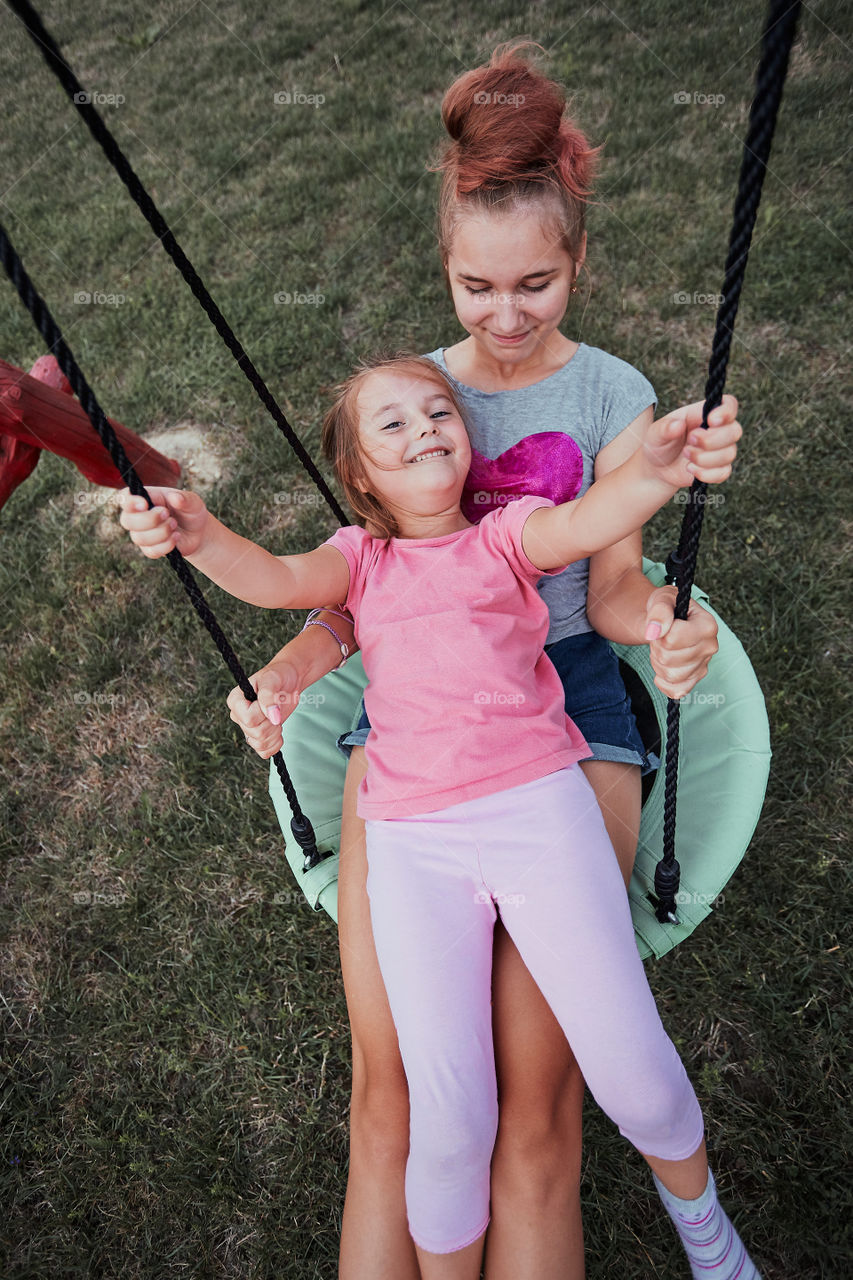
445	269
360	483
581	257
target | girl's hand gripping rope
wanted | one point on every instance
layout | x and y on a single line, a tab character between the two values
278	687
679	450
681	651
177	519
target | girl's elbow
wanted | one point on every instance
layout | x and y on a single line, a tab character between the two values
594	611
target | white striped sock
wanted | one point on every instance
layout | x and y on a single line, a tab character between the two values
714	1248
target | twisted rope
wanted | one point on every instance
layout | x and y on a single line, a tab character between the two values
48	328
779	31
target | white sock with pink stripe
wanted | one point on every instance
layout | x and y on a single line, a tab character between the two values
715	1249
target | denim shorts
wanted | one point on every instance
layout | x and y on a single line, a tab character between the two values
596	700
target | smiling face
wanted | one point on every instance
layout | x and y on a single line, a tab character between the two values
510	277
415	450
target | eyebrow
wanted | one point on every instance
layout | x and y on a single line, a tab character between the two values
386	408
530	275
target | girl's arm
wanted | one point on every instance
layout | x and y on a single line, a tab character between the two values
179	519
618	590
675	450
306	658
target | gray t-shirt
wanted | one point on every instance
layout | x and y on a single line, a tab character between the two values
588	402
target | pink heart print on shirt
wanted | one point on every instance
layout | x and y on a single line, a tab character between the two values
549	464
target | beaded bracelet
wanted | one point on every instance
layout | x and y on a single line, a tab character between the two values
314	621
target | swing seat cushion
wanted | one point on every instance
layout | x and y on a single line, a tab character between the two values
723	765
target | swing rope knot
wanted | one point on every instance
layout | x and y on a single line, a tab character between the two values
303	833
667	880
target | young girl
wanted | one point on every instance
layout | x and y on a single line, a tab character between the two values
479	806
516	175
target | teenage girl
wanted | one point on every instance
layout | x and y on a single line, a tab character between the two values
516	176
479	805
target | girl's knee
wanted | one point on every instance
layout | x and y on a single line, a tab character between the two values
540	1160
661	1114
447	1183
543	1111
539	1142
451	1147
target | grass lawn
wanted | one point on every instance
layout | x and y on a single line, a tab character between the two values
176	1054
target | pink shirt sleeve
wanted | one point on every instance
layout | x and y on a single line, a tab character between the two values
506	527
354	543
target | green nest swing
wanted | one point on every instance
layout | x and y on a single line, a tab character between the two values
723	764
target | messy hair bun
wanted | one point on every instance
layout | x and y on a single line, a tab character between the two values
511	141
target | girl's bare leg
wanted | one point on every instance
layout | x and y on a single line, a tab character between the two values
618	791
536	1232
375	1240
463	1264
684	1178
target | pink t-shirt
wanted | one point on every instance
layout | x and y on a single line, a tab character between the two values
461	698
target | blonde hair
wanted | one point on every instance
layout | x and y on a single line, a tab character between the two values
341	438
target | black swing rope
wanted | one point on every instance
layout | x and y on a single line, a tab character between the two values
300	825
777	40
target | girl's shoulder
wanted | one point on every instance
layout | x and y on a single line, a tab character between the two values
595	362
354	534
588	366
355	543
437	357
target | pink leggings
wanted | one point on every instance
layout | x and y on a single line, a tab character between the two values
540	854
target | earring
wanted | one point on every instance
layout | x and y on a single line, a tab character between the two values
573	289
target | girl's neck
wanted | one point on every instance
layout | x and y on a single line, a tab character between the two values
472	365
416	526
430	526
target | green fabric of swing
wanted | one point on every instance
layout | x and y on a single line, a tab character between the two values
723	765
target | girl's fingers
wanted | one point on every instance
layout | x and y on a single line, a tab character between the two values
722	433
156	541
145	529
709	448
717	437
678	690
250	718
151	537
263	738
713	457
143	517
157	549
711	461
154	530
670	660
724	437
710	475
675	677
724	412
